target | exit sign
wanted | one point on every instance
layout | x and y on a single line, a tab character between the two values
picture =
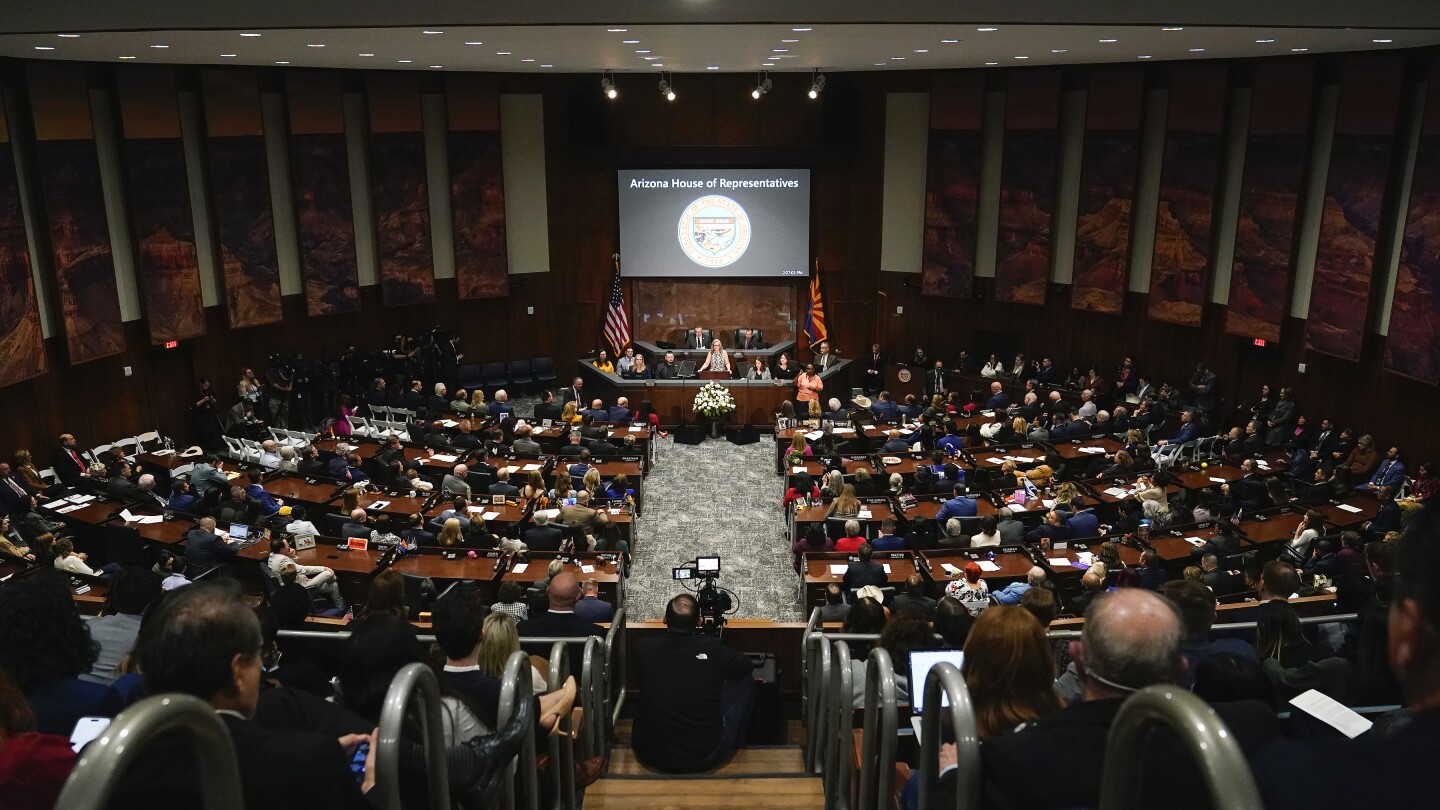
172	344
1260	342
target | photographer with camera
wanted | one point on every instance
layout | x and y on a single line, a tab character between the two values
695	694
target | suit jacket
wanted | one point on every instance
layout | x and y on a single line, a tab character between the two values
577	515
571	395
619	414
544	411
825	361
205	551
123	488
501	488
666	371
497	408
559	625
1076	735
8	495
543	538
754	342
923	605
1327	442
594	609
693	342
525	446
997	402
859	574
678	723
67	468
935	382
1381	769
279	770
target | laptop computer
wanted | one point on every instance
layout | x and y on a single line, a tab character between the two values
920	663
239	532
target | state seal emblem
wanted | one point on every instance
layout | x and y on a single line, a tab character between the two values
714	231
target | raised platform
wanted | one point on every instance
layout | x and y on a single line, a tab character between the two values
755	402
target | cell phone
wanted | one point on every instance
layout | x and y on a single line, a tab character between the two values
357	762
87	729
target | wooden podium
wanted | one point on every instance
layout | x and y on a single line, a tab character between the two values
715	375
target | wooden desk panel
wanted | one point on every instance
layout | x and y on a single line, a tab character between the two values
1345	519
1014	566
396	507
293	489
169	532
818	577
1070	450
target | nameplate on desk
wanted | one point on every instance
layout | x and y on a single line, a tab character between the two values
358	544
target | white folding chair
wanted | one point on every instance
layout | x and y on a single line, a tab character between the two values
128	447
283	438
360	426
379	411
48	475
234	447
250	450
183	469
98	452
148	437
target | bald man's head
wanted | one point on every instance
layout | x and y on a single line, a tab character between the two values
564	589
1131	640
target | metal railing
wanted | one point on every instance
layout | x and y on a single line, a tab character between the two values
878	740
414	680
515	686
590	694
1222	764
944	679
103	763
837	757
1334	618
562	746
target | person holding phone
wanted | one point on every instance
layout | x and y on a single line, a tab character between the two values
206	641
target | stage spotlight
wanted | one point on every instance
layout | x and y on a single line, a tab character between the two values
817	83
665	89
762	84
607	86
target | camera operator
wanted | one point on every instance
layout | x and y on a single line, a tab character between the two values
695	694
279	382
207	419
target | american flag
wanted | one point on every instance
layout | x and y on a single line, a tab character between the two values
617	323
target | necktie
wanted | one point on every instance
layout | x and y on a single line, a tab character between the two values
15	486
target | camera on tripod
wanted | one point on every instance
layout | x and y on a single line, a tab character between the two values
713	601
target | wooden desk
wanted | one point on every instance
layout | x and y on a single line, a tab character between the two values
401	506
818	576
93	513
169	532
1099	490
296	489
484	568
1274	528
1346	519
1014	566
878	512
607	573
1071	450
363	447
508	514
928	507
1026	455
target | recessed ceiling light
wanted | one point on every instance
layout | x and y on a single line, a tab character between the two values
1379	41
404	61
642	52
987	30
629	42
991	64
250	34
68	36
1109	40
476	42
227	56
1059	50
780	50
617	30
948	41
282	63
159	46
1144	56
545	66
315	45
44	47
881	64
897	58
1197	50
365	54
1264	41
527	60
1022	57
1172	28
801	30
124	57
921	50
1299	50
767	64
431	31
436	67
646	58
656	64
791	41
712	67
502	53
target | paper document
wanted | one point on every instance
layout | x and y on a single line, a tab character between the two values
950	569
587	569
843	430
995	460
519	569
489	516
886	566
797	469
1195	541
1217	480
1348	508
163	453
65	510
1093	450
1118	492
531	467
551	514
891	459
906	431
839	569
1326	709
378	505
986	565
814	435
1058	562
1048	503
80	498
449	423
863	514
56	504
444	458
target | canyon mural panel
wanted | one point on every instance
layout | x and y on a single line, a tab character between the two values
73	202
1269	199
1354	198
1190	168
22	345
1110	161
952	181
400	190
240	198
1027	187
320	175
1412	347
477	186
167	265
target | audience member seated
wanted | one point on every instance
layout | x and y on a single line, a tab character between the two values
1012	594
591	607
356	526
864	571
115	629
1196	605
560	620
205	550
914	598
970	589
317	578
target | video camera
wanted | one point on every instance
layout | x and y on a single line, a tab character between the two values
714	602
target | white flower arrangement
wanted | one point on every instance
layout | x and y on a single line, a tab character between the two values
714	400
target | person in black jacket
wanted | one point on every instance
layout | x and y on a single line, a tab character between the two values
695	693
864	572
205	550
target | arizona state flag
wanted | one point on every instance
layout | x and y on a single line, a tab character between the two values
815	330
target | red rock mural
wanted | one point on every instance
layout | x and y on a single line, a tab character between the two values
1027	186
320	172
1412	347
1110	162
477	187
401	193
952	180
22	346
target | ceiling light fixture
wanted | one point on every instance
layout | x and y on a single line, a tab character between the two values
1264	41
987	29
762	84
665	89
1172	28
44	47
476	42
897	59
68	36
405	61
545	66
922	50
1197	50
1109	40
431	31
227	56
881	64
1377	41
315	45
124	57
1299	50
629	42
642	52
282	63
159	46
656	64
991	64
617	30
502	53
779	50
1059	50
607	85
527	60
712	67
646	58
251	34
789	41
1022	57
436	67
364	54
1144	56
817	84
801	30
948	41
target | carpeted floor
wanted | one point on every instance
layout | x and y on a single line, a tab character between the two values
720	499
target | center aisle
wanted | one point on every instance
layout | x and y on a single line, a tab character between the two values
720	499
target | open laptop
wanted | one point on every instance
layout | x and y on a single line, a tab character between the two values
920	663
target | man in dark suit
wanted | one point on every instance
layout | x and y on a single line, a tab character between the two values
835	607
70	466
914	599
591	607
620	411
439	403
874	370
502	485
1132	639
695	339
12	488
347	469
121	486
501	405
695	694
998	401
863	572
575	393
885	407
206	642
415	398
560	620
1220	581
1387	517
667	369
205	550
574	448
749	340
548	408
357	527
958	506
935	380
542	536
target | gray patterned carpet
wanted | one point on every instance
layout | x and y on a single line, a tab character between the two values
714	498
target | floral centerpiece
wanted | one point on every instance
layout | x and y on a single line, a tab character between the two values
714	401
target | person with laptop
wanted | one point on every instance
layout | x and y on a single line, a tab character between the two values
205	550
